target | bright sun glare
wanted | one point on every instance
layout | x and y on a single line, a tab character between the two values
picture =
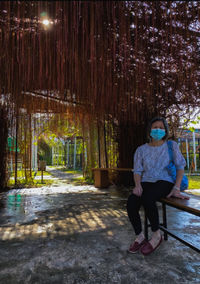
46	22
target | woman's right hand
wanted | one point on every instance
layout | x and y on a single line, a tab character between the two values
138	190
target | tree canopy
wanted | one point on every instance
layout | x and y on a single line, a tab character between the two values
111	57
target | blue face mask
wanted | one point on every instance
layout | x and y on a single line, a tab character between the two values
157	134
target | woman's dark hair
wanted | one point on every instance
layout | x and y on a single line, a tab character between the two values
164	123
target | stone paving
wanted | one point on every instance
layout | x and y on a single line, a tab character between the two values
80	234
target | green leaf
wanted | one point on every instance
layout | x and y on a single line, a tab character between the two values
192	129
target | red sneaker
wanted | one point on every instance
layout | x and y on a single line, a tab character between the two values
135	246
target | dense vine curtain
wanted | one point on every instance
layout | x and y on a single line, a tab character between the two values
119	61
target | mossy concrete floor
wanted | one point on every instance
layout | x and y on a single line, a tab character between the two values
80	234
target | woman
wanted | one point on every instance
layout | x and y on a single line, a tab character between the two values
152	182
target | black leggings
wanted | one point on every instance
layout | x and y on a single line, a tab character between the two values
152	191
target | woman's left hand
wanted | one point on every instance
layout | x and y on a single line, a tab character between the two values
176	193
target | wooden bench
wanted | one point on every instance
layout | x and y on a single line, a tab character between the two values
191	206
101	178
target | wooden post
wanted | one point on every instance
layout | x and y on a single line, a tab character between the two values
42	168
65	161
30	159
105	146
68	153
41	176
3	143
52	149
99	146
101	179
33	145
16	146
74	153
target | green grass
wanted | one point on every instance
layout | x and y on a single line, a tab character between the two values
29	183
82	181
194	182
71	171
21	173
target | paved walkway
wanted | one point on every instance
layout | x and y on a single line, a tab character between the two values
61	175
80	234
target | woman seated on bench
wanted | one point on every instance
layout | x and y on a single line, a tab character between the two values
153	182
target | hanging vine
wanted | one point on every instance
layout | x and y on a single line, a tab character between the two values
116	62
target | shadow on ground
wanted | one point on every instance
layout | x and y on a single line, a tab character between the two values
80	234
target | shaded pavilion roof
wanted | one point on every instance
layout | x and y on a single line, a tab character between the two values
121	59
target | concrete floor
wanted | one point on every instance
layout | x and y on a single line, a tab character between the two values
80	234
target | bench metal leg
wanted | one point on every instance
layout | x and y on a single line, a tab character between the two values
164	220
179	239
163	227
145	225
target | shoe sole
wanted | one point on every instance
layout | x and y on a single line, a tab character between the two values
133	252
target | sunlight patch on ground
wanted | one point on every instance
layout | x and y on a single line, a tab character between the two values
68	188
193	191
88	220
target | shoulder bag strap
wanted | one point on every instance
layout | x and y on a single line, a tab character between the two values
170	150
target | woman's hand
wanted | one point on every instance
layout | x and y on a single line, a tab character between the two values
138	190
176	193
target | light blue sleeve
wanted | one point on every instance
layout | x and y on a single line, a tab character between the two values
178	158
138	166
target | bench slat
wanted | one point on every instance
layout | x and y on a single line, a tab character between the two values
191	206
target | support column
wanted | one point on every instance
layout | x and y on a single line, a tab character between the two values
194	152
3	143
130	136
36	150
67	153
52	155
187	154
16	146
74	153
33	145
